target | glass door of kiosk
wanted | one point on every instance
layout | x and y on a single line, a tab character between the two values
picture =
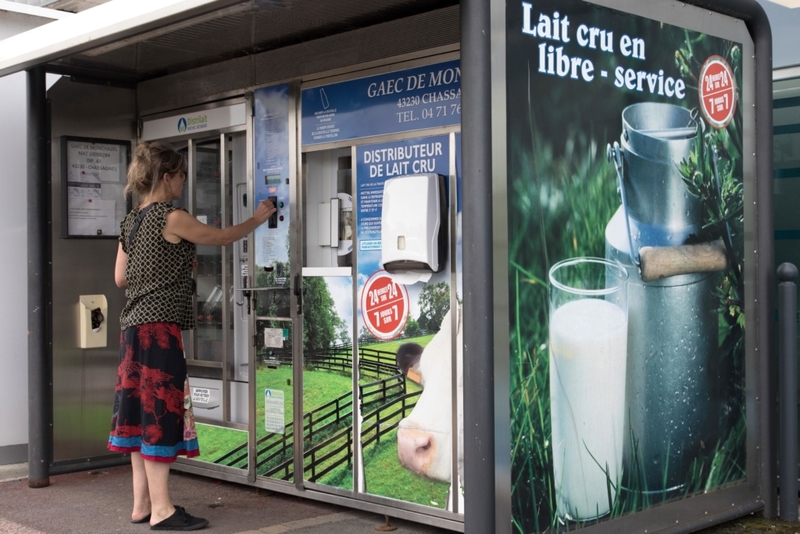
329	444
232	300
217	351
366	331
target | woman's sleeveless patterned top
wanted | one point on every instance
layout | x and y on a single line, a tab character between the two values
159	273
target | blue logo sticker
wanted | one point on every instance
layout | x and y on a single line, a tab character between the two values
182	125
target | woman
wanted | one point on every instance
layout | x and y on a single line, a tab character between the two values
152	417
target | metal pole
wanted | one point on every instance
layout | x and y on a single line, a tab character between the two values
787	313
478	369
39	405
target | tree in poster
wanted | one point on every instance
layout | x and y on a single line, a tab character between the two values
412	328
365	336
344	335
434	303
321	324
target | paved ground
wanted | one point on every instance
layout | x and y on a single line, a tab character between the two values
98	502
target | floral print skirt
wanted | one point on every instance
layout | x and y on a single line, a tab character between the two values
153	406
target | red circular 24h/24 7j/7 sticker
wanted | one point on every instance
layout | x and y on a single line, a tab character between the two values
717	92
384	306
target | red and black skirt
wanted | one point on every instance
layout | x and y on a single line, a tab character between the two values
152	406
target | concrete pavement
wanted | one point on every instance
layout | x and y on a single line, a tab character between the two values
99	501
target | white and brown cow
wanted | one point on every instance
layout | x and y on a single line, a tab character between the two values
424	437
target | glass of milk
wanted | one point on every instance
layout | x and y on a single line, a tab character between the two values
588	345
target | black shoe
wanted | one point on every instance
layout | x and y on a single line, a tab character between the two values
180	520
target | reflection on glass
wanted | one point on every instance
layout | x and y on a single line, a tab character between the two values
210	264
183	202
274	402
218	444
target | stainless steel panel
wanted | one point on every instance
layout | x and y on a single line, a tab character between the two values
195	86
13	454
500	312
390	39
84	379
237	164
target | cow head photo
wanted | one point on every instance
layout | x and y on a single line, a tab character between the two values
424	437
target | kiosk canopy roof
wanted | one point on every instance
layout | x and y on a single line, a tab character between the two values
129	41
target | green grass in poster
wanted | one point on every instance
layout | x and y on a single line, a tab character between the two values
320	387
215	441
388	476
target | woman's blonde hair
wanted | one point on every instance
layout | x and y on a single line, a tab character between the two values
151	161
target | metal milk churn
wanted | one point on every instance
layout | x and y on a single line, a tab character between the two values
672	319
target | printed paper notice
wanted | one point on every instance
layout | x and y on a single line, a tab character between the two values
92	215
94	186
274	410
273	338
201	395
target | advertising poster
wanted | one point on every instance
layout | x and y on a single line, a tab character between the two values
274	409
271	127
625	210
405	321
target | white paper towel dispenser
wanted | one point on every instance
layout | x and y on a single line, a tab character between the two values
414	224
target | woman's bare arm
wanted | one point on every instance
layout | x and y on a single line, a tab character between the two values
181	225
119	268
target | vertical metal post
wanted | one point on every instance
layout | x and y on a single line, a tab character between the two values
476	127
787	313
39	389
758	24
455	321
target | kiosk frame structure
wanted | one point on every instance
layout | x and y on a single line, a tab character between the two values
473	32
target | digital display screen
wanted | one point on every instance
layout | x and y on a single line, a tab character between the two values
272	179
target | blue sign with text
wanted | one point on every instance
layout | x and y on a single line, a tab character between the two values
377	163
413	99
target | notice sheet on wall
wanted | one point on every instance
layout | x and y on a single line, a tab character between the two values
94	175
